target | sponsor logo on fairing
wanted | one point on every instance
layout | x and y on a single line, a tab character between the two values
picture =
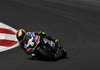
7	37
37	38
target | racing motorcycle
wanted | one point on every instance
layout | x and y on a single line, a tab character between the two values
48	48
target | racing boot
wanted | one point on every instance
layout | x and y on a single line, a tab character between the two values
32	55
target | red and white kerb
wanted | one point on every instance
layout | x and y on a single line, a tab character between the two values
7	37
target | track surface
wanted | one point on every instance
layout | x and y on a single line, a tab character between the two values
75	23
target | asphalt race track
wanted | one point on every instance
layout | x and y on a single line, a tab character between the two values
75	23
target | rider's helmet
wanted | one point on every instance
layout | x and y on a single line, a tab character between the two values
20	34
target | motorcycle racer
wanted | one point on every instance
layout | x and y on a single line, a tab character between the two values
28	40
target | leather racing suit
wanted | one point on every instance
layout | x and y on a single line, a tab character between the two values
31	41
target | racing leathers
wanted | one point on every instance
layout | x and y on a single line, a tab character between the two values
29	44
32	40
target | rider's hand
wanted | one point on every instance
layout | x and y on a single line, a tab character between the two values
41	33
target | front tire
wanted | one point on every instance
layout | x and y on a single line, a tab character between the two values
62	51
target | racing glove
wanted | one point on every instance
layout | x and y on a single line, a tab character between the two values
41	33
